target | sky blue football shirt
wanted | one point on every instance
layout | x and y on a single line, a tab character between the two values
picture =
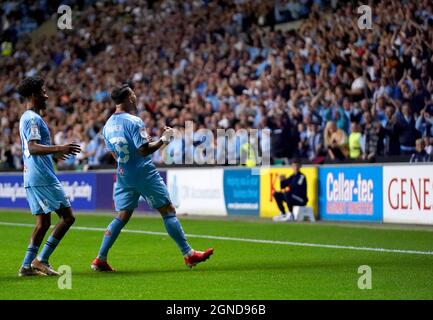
124	134
38	169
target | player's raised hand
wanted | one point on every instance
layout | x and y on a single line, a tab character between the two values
60	156
168	129
167	135
70	149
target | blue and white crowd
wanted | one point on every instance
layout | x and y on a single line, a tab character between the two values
327	90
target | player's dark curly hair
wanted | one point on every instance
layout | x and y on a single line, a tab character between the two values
120	94
30	85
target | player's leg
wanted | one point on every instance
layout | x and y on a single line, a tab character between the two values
125	200
112	232
175	230
57	201
156	194
66	220
43	222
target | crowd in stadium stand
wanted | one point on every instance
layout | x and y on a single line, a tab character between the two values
328	91
20	17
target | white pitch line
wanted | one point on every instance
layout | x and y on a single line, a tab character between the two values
287	243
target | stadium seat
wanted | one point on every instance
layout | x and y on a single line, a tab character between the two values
301	213
281	161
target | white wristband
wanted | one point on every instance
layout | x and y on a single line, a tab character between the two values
164	140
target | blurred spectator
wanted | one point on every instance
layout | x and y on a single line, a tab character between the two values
16	152
424	122
335	142
428	142
420	154
405	126
373	137
314	144
280	138
95	150
355	151
391	141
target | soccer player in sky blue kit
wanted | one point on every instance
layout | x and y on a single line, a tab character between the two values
44	191
126	138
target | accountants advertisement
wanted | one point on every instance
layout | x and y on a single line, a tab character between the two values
79	188
12	192
350	193
270	182
408	194
241	192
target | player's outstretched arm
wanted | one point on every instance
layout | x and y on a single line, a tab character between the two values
61	151
151	147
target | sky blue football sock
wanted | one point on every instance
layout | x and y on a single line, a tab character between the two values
48	249
110	236
31	253
174	229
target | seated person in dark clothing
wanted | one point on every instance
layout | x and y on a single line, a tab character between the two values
293	192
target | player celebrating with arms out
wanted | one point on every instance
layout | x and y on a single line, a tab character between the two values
44	191
126	138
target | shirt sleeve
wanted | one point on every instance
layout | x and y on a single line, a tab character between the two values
301	180
109	146
33	129
139	134
285	183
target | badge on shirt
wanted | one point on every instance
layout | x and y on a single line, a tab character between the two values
34	130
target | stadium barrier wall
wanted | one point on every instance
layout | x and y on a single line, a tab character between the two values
215	192
197	191
87	191
241	192
351	193
370	193
408	194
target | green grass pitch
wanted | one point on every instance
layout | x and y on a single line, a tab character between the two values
151	267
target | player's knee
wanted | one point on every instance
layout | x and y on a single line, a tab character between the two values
124	216
277	195
69	220
167	209
43	226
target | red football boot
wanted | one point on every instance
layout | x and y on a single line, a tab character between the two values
103	266
197	257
